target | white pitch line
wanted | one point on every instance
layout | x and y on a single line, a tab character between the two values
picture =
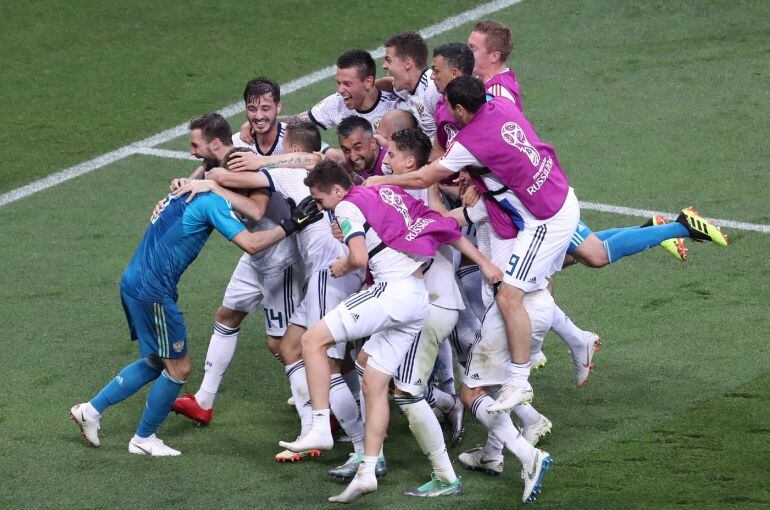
646	213
164	153
228	111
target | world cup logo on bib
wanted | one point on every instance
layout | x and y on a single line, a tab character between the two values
514	135
394	200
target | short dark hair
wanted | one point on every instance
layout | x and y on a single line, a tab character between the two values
466	91
350	124
498	37
325	174
415	142
457	56
258	87
361	60
226	160
411	45
213	125
305	134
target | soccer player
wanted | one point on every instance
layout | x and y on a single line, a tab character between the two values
393	311
394	120
528	183
262	98
356	93
359	147
409	150
406	60
149	295
267	280
485	370
491	44
319	250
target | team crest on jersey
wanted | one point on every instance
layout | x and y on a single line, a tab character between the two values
420	109
451	131
178	345
514	135
394	200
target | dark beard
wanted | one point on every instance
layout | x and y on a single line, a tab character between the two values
210	163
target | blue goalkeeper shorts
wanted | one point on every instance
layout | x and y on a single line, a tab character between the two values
159	327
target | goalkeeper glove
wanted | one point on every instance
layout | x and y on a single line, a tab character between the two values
301	216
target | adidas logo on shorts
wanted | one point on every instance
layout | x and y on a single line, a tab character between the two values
476	376
532	280
355	317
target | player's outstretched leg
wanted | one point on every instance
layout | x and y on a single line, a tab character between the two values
128	381
700	229
674	246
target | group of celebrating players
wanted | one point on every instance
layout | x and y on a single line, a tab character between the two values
425	242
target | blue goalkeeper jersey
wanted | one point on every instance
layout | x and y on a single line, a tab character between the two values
172	241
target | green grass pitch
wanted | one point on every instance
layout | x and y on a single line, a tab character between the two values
655	105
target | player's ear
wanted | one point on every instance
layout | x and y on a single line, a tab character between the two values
278	107
369	82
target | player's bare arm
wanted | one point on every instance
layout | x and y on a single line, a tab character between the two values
304	214
255	242
240	180
385	83
357	258
423	178
253	208
248	161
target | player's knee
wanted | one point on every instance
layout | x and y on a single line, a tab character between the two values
179	369
469	395
595	259
228	317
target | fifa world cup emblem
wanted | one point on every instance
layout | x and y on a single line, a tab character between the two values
394	200
514	135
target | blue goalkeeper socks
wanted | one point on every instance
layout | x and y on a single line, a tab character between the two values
126	383
622	242
159	402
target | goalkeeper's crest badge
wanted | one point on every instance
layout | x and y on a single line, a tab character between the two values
178	345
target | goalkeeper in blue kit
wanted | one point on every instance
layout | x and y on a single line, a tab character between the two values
148	291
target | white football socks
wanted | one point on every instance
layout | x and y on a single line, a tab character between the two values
527	414
218	358
502	427
427	431
572	335
344	407
301	394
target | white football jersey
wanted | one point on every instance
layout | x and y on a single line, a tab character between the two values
422	101
387	264
440	279
273	260
331	111
480	218
317	246
276	149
